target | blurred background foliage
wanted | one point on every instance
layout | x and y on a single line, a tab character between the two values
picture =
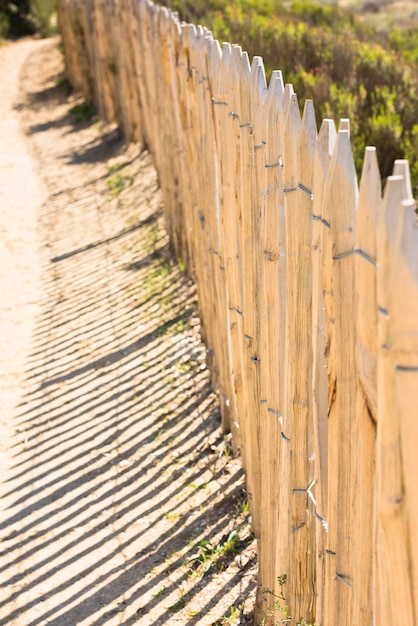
27	17
354	59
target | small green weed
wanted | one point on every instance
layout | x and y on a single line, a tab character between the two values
210	556
179	327
161	591
171	516
232	619
280	606
245	507
118	183
269	617
63	84
83	112
116	167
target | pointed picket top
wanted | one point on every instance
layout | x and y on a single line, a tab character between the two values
409	239
403	291
175	23
307	143
401	168
203	44
344	125
272	107
389	224
236	59
234	78
225	69
226	53
174	16
189	35
258	81
236	49
245	79
215	56
275	91
369	204
309	126
156	9
342	180
395	192
324	149
287	95
290	145
246	67
164	13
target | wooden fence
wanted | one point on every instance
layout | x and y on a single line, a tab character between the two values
308	292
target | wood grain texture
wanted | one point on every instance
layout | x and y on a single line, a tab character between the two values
271	318
396	528
308	298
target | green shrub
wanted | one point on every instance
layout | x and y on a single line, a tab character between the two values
348	67
44	13
25	17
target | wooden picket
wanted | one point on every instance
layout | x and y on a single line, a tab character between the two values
308	295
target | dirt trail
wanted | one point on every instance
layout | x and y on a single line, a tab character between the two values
114	469
21	194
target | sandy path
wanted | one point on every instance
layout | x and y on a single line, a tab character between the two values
116	465
21	195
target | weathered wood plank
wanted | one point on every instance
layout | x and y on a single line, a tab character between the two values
298	425
270	320
246	161
320	232
352	431
396	530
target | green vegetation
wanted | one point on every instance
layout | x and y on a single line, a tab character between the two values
210	556
25	17
270	618
349	64
83	112
118	183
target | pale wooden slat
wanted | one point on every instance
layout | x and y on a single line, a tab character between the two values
393	548
199	216
255	135
246	151
403	307
401	168
366	284
297	181
320	231
270	320
218	88
228	138
291	130
221	108
234	259
344	125
352	432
